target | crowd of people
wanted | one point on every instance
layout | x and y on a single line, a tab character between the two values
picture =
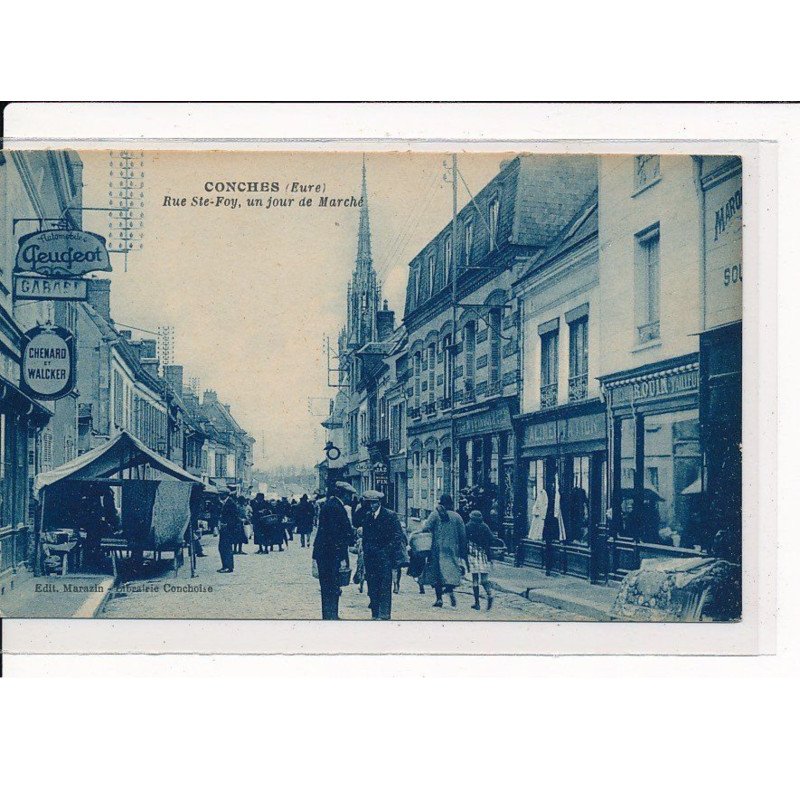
448	547
271	524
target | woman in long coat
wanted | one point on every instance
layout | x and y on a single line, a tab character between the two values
443	569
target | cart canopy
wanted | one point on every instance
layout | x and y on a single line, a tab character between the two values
109	459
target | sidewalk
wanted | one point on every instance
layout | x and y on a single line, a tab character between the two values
70	596
564	592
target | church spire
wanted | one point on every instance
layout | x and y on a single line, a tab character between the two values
364	254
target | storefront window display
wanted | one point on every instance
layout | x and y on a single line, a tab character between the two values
670	490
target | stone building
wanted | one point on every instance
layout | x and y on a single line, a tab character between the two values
462	389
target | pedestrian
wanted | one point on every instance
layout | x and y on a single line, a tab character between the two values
384	549
479	557
444	569
275	530
228	521
260	509
240	535
214	511
304	517
334	536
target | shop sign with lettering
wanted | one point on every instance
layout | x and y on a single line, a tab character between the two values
586	428
39	287
723	250
653	387
62	253
491	420
48	362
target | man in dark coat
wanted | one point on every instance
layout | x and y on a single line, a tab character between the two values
384	548
229	521
304	517
334	535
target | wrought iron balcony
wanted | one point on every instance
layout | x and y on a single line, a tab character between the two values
494	387
414	412
549	395
649	332
445	403
429	408
578	387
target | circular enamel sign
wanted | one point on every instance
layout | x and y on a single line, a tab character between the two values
48	363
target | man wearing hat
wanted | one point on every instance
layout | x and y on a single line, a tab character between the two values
384	549
334	536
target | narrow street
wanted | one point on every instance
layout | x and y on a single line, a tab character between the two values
280	586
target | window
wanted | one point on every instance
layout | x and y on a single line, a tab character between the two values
448	365
578	358
118	401
549	368
494	220
648	285
431	274
469	360
495	351
448	258
432	373
468	236
647	170
416	286
417	377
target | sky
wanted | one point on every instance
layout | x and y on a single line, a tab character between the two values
253	291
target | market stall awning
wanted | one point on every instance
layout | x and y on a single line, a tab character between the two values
122	452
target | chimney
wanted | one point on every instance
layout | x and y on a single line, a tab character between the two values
99	296
173	375
150	366
126	334
385	322
209	396
148	348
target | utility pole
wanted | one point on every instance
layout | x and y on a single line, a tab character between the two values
452	354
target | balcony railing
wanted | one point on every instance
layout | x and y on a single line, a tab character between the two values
649	332
414	412
549	395
429	408
445	403
578	387
494	387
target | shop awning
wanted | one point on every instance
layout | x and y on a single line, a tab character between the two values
124	451
17	399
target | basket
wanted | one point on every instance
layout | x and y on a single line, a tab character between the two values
421	542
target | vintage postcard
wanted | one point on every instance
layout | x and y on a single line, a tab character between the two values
382	385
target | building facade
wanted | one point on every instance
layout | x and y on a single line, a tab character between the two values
650	241
39	190
464	368
562	422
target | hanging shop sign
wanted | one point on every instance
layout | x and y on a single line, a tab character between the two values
48	362
59	252
39	287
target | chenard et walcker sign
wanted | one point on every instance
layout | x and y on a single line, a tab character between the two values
48	362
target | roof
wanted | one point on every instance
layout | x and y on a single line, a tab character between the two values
125	349
120	453
578	229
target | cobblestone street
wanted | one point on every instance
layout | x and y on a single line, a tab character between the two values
280	586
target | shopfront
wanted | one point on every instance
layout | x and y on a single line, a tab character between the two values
486	449
721	351
657	489
563	472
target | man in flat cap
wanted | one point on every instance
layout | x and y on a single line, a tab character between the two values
334	535
384	549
